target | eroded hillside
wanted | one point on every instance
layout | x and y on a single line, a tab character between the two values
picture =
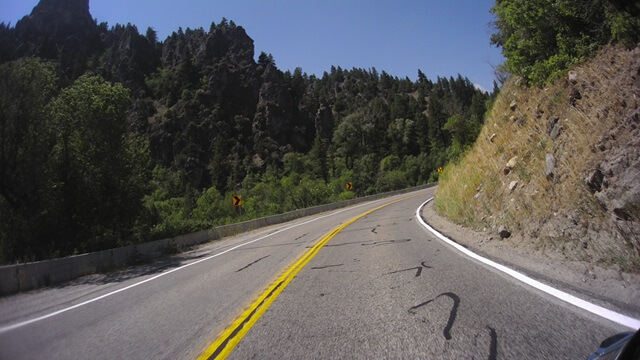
559	166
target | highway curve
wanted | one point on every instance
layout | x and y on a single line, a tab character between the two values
381	287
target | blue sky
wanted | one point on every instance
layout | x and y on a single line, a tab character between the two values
442	38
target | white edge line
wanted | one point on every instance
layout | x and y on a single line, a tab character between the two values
573	300
58	312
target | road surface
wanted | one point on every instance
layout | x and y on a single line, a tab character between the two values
382	287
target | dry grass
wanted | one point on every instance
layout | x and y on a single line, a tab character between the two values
475	191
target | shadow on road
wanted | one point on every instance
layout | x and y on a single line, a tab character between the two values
133	271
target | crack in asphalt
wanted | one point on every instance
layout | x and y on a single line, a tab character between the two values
418	272
326	266
417	268
371	243
252	263
386	242
425	265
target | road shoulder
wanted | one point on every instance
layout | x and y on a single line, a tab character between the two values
606	287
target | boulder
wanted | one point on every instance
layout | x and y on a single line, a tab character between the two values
512	186
594	180
574	96
622	213
513	105
510	165
573	77
257	161
603	199
503	232
551	123
492	137
555	132
551	166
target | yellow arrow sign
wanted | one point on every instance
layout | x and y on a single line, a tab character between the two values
439	170
237	200
349	185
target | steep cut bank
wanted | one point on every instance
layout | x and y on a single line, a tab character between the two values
558	168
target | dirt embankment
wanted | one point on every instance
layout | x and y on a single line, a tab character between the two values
556	170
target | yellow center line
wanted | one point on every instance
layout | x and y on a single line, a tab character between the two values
227	341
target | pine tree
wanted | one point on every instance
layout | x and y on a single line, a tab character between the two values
422	78
152	36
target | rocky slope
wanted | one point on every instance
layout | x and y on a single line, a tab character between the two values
559	167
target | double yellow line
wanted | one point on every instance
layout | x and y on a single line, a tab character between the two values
227	341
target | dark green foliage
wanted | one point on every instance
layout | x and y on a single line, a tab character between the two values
26	87
98	171
212	122
542	38
73	177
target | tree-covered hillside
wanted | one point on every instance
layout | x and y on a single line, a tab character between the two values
109	136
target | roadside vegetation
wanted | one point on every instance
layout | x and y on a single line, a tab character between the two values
541	39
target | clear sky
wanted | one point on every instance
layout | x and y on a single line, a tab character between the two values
440	37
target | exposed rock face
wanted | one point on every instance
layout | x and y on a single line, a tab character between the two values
272	122
228	42
594	181
555	132
179	44
616	183
58	19
324	121
129	59
58	29
552	123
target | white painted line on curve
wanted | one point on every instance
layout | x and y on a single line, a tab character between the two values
573	300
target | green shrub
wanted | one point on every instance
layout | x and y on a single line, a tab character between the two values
542	38
392	180
213	209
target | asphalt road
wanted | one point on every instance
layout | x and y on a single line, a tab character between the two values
383	287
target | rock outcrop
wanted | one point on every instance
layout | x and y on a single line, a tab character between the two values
60	30
616	182
550	162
